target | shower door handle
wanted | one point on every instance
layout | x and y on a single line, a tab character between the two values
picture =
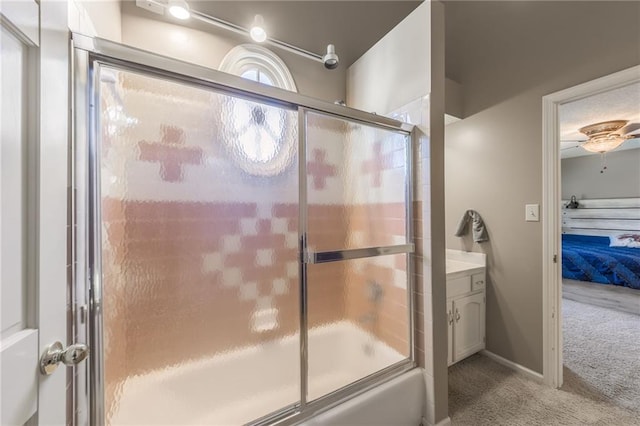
54	354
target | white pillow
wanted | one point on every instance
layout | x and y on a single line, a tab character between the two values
625	240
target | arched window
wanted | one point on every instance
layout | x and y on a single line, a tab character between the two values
258	75
258	64
260	138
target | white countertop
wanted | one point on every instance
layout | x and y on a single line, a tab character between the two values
460	263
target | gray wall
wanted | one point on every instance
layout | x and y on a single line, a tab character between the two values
507	55
581	176
206	45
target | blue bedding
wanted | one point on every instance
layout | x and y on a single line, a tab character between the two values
589	258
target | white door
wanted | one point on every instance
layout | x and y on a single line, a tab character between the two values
33	226
468	327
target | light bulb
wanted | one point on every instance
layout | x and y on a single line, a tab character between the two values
179	9
257	31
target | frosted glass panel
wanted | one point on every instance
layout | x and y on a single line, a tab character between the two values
199	203
356	184
358	320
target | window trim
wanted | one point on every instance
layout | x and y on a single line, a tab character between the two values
247	56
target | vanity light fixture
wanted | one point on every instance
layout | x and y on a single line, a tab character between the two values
257	31
179	9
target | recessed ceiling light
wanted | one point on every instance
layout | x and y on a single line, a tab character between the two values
257	31
179	9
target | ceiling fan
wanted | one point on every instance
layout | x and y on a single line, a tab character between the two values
606	136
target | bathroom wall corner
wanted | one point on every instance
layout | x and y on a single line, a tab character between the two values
437	223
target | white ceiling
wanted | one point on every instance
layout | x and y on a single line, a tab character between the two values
618	104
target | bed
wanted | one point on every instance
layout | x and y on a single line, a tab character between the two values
589	258
586	252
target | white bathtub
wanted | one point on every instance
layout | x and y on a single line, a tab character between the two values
215	391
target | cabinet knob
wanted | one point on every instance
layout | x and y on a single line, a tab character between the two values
450	317
457	315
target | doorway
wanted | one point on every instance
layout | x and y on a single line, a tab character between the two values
552	225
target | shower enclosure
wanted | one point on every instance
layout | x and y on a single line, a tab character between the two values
242	253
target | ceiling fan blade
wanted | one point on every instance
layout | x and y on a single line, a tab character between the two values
631	137
570	147
631	127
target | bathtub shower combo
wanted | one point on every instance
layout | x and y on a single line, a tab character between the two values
244	251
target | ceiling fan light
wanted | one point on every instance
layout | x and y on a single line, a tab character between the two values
604	143
602	129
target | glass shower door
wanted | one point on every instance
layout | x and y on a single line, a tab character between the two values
358	248
197	221
246	249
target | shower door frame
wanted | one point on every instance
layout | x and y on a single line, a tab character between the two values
85	288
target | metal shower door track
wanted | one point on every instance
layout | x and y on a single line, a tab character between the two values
114	53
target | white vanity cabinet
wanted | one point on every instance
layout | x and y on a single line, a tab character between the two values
465	305
468	326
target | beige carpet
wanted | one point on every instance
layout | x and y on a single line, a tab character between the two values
482	392
602	353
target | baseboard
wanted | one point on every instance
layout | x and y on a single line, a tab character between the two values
444	422
514	366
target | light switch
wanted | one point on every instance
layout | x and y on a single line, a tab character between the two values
532	212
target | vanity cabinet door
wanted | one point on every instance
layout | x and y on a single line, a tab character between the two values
450	332
468	325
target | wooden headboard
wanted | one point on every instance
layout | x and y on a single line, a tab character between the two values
603	217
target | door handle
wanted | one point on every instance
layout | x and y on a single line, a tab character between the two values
54	354
450	317
457	315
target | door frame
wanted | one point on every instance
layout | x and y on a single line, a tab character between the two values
552	347
51	216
